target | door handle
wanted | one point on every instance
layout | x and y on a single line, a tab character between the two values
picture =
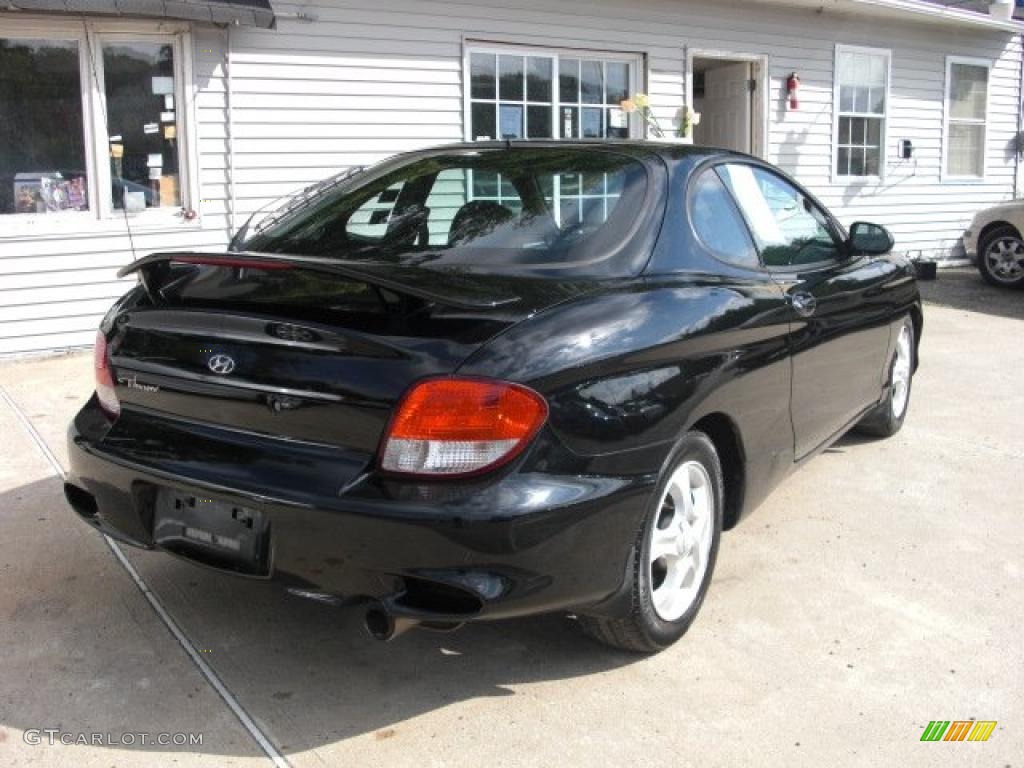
804	304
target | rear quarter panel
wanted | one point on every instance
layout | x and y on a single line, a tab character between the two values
626	372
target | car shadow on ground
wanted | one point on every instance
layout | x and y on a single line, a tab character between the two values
850	440
306	670
293	660
963	288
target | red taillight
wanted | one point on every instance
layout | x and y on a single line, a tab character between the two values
450	427
105	393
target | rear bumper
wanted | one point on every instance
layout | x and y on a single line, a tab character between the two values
516	544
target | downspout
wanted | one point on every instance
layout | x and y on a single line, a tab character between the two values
229	129
1019	140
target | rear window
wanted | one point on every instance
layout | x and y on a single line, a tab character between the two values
494	208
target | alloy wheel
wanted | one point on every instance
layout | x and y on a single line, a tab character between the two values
680	542
1005	260
901	370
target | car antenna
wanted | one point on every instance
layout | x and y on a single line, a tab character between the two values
106	128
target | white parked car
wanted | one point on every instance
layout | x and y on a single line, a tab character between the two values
994	240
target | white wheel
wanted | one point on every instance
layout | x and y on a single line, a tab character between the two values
886	418
901	371
673	556
680	545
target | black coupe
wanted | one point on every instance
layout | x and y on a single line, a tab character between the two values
495	379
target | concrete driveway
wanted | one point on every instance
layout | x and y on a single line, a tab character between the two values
878	589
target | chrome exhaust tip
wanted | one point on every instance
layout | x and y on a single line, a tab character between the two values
384	626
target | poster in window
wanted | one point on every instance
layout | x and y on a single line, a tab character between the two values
163	85
592	123
511	122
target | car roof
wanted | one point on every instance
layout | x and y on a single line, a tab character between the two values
669	151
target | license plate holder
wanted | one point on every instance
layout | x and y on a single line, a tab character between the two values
216	533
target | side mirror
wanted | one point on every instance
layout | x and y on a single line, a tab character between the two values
869	239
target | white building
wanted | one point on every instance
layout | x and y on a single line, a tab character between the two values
908	112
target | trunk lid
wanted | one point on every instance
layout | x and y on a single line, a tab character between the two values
302	348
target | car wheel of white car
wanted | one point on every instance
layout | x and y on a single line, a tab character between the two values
1001	257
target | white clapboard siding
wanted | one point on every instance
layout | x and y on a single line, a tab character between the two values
364	81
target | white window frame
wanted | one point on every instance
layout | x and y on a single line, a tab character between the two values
102	217
634	60
947	118
838	178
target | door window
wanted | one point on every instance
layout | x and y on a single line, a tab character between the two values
717	222
789	229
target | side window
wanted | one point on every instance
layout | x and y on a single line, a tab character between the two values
789	229
717	222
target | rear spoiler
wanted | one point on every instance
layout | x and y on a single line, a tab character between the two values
455	289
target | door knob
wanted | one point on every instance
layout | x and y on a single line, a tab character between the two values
804	304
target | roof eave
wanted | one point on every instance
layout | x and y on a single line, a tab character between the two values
941	14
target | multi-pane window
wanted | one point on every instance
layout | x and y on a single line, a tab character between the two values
90	123
541	96
589	95
966	114
511	96
862	84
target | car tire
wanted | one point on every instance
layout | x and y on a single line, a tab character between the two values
1001	257
886	419
666	592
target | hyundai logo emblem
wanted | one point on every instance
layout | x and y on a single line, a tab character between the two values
221	364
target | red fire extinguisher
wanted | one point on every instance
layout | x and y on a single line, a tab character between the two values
792	86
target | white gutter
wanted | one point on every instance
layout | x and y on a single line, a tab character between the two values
908	10
937	12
